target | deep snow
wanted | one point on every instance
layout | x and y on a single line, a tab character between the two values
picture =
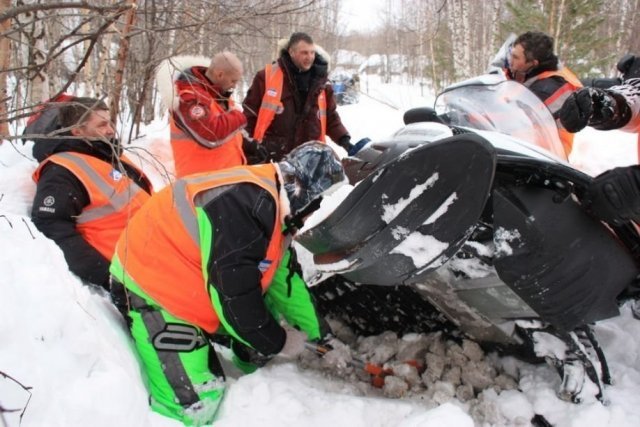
65	343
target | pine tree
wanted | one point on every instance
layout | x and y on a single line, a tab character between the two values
573	24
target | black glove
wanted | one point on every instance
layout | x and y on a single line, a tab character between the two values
248	355
255	152
345	142
587	106
614	196
629	66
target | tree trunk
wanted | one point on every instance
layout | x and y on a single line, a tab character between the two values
121	61
5	60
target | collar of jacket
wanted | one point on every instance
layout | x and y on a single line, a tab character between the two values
198	75
107	151
550	64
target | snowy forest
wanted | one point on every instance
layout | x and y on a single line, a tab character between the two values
109	49
68	358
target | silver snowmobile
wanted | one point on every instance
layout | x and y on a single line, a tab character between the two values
468	220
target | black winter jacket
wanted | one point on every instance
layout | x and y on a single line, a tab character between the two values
57	221
546	87
299	121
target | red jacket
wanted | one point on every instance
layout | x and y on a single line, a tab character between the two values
205	128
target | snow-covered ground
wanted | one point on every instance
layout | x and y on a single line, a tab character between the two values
66	359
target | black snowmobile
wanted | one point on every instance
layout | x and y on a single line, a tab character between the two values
468	220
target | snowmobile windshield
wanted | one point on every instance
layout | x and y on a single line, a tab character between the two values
505	106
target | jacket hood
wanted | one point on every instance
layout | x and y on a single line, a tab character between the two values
45	147
168	72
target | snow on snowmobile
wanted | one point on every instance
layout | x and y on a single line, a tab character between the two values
468	219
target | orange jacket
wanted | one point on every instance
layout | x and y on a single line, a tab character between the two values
555	101
114	198
161	251
191	157
272	105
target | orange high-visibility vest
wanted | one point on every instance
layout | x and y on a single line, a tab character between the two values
555	101
191	157
161	250
114	198
272	104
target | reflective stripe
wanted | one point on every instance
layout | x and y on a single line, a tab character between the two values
185	212
269	106
173	223
105	187
271	103
271	100
229	174
172	366
563	72
208	143
184	205
117	201
322	114
555	101
178	135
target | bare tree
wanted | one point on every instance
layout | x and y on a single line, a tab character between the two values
110	48
5	60
115	46
123	51
461	36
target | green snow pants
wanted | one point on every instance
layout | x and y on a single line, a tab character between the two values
184	376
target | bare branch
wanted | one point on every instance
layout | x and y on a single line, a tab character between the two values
29	8
25	388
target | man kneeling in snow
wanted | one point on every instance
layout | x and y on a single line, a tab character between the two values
209	256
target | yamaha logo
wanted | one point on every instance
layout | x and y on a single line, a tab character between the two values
49	201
